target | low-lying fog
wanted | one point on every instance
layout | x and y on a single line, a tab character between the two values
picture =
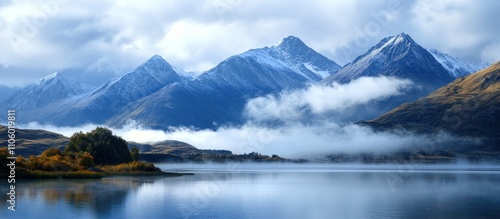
460	166
293	139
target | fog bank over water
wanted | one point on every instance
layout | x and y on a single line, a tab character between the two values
292	140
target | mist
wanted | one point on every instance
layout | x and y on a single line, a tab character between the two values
292	138
318	99
292	141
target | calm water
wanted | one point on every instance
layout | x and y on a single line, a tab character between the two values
271	191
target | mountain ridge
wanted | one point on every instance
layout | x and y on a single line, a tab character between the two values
468	106
455	66
155	94
397	56
44	91
218	96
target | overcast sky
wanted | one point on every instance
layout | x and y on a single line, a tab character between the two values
95	40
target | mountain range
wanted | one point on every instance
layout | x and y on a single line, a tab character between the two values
156	95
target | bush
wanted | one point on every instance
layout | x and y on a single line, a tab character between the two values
131	167
51	152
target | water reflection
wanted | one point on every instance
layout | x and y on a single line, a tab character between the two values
96	197
264	193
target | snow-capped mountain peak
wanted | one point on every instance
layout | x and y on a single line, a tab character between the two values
308	62
292	58
291	43
48	78
402	38
58	80
48	89
396	56
158	68
455	66
397	44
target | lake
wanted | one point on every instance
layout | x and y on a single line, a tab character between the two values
270	191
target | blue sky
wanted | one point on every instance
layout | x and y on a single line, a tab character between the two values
94	40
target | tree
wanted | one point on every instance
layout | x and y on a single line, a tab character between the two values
86	160
134	153
104	147
78	142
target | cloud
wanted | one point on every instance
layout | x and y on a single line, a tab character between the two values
112	37
461	28
291	138
491	54
292	141
321	99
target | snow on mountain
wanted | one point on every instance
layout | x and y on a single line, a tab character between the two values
291	53
180	98
44	91
78	107
396	56
290	64
157	95
185	74
455	66
110	98
219	95
296	53
142	81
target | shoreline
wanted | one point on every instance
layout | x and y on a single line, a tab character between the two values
93	175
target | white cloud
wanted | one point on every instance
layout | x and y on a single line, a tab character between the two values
491	53
292	141
321	99
116	36
461	28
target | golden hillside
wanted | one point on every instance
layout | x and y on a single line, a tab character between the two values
467	106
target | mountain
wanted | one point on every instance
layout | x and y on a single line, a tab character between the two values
34	142
296	53
396	56
290	64
218	96
469	106
96	106
46	90
108	99
157	95
455	66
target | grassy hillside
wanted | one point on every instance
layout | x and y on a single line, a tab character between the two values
468	106
34	142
